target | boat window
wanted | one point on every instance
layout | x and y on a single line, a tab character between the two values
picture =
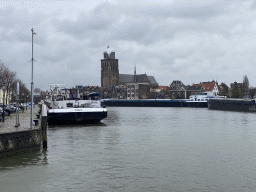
69	104
198	99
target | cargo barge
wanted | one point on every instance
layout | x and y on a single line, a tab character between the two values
242	105
153	103
144	103
64	108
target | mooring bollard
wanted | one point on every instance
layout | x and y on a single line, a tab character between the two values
44	125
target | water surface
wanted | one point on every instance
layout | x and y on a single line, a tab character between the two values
142	149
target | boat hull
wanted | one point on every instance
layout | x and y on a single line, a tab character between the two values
197	104
76	115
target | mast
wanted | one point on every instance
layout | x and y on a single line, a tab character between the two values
32	85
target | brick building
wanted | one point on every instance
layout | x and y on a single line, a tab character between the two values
137	86
109	70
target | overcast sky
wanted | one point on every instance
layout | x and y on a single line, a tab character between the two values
187	40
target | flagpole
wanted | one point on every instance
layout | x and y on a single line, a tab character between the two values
32	85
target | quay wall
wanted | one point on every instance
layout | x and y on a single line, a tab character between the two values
232	105
21	140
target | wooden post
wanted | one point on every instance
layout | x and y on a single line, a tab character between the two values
44	126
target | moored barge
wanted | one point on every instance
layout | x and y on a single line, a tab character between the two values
242	105
64	108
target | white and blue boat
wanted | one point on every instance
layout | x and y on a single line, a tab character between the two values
199	100
66	106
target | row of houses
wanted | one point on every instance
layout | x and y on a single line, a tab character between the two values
147	90
178	90
143	86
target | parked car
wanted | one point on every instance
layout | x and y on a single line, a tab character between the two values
6	112
8	109
20	107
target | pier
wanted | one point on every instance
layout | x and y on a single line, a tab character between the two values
16	139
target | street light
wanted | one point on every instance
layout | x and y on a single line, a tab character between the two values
4	87
32	84
23	102
26	102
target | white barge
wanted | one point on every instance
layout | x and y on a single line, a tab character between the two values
66	106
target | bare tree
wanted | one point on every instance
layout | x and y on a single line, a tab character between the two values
24	92
6	75
246	84
37	91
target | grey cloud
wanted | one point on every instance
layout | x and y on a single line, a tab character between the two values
188	40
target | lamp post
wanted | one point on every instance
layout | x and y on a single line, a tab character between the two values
32	84
23	102
4	86
26	102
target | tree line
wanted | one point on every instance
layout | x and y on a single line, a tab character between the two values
243	90
9	78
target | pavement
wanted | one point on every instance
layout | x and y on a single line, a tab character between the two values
9	123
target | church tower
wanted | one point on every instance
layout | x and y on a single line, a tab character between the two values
109	70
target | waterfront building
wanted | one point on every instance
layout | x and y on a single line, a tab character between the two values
180	91
109	70
113	83
132	90
141	78
139	91
223	90
193	90
121	91
177	90
5	95
252	92
239	86
237	90
161	92
90	89
211	88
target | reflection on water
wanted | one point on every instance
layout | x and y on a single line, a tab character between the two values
52	127
34	156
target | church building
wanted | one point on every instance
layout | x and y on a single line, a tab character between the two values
109	70
110	74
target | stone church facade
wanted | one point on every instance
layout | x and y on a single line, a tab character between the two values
110	74
109	70
137	86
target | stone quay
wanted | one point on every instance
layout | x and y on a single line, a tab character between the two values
15	139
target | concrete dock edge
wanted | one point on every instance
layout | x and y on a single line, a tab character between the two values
19	141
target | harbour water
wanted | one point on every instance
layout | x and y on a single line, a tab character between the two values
142	149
